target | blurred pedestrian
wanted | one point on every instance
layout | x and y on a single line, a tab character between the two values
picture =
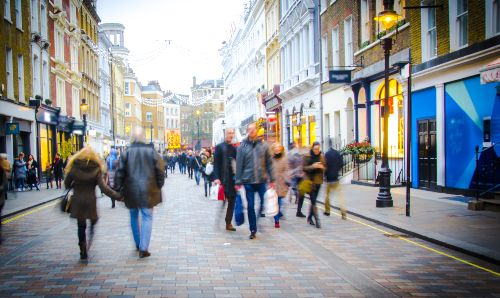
20	172
49	174
197	167
189	163
112	163
58	168
206	160
5	164
295	161
334	164
140	177
32	176
224	170
83	173
253	170
3	190
314	167
282	179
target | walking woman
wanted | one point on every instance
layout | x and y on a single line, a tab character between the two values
83	173
314	168
282	178
32	178
112	162
206	159
20	172
58	167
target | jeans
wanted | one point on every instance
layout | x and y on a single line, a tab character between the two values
280	213
250	190
197	175
208	183
190	172
335	186
142	231
20	183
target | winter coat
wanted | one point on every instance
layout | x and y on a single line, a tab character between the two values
281	174
224	157
112	172
58	167
7	168
295	160
20	169
313	174
253	163
3	186
196	163
334	163
205	160
140	176
83	177
32	172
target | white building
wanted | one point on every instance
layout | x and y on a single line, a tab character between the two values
105	129
244	67
40	49
300	87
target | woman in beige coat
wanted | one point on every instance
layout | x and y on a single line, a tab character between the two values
282	178
83	173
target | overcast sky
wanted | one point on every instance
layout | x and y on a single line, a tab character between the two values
196	29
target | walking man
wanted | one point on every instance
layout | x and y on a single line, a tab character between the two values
254	168
295	160
224	161
333	165
140	177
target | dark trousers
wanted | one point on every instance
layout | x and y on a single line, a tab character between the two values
82	227
58	182
230	208
313	196
207	184
300	202
190	172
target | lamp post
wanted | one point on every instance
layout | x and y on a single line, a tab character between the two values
151	133
387	19
84	108
198	145
223	128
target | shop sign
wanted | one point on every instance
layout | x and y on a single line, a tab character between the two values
272	103
491	73
64	123
12	128
47	117
78	128
339	76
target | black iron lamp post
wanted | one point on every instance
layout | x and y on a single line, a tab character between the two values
151	133
198	145
387	19
223	128
84	107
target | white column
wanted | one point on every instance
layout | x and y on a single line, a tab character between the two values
33	140
311	48
440	137
9	143
404	86
306	47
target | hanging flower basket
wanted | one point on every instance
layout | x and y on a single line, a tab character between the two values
361	152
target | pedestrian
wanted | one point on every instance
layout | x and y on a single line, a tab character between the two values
3	190
112	163
206	160
314	167
8	172
189	163
49	174
20	172
253	170
295	161
224	170
58	167
334	164
197	168
83	173
32	175
140	177
282	178
165	161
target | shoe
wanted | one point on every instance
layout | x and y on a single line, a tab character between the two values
344	215
230	227
144	254
83	251
310	221
327	213
277	225
252	235
300	214
317	223
262	215
137	247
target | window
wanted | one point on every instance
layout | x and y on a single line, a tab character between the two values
335	48
45	78
365	21
61	94
74	56
127	88
10	74
429	36
58	3
6	10
75	100
459	12
127	109
59	44
34	16
36	75
20	78
324	53
492	18
72	8
43	20
149	117
348	53
324	6
19	15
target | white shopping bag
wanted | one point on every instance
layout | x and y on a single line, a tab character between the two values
271	202
214	192
243	196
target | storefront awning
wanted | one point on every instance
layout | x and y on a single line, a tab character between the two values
491	72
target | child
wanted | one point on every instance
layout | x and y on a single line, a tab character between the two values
49	175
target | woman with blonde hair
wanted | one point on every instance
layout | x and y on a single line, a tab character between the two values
83	173
282	178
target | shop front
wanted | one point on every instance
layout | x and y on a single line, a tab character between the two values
47	118
67	143
273	124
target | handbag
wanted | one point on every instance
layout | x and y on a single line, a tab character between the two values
66	202
214	192
239	216
221	195
271	202
305	186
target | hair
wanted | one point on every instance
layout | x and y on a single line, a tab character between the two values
278	145
86	154
315	144
138	135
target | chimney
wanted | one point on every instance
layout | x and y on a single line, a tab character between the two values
194	81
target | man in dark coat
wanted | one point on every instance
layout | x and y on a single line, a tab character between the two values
224	166
140	177
334	164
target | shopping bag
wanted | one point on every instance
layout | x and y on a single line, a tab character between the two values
214	192
209	169
243	195
239	216
271	202
220	195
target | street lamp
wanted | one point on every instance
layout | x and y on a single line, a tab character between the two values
223	128
151	133
198	145
387	19
84	107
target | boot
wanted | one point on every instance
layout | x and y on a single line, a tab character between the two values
230	227
83	250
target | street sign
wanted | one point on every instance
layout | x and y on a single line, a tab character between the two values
12	128
339	76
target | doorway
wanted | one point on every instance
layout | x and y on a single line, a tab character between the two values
427	158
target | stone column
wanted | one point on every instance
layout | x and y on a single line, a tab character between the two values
440	136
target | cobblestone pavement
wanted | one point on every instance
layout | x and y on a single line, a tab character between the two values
193	256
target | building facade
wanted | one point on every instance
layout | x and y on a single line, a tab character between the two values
17	119
133	104
105	127
300	72
153	117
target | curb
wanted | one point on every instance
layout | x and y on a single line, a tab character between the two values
30	207
423	237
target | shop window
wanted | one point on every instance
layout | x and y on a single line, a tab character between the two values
312	130
396	120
